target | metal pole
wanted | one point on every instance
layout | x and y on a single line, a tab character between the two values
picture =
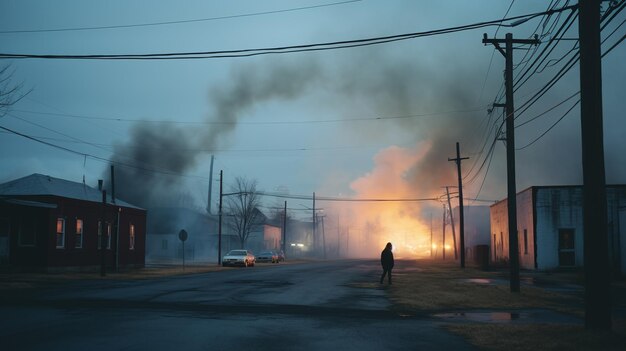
219	225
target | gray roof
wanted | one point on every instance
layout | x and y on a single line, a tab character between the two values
39	184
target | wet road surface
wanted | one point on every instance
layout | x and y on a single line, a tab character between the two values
308	306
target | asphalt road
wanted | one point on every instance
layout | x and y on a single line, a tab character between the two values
308	306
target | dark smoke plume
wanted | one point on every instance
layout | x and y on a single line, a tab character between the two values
159	153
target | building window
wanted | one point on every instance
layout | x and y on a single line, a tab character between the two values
60	233
78	238
108	236
567	251
525	242
131	233
27	234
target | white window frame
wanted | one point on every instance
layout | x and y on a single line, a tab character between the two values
108	236
61	232
131	236
79	236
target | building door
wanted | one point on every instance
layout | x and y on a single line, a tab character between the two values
4	240
567	256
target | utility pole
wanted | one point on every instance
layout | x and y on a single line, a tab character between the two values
117	221
596	261
443	245
219	225
314	229
458	160
507	52
452	224
431	235
324	236
285	229
338	237
208	207
103	246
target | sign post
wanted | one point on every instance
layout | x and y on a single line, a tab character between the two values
182	235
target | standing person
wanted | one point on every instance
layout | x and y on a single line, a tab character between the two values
386	260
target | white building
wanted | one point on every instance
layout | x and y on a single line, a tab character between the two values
550	228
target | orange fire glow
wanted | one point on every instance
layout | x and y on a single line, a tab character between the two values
370	225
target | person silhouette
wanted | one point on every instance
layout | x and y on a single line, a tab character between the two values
386	260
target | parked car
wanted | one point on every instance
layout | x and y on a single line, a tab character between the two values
281	256
243	258
267	256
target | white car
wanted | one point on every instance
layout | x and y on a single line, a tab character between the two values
243	258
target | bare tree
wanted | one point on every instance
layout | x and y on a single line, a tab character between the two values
9	92
242	205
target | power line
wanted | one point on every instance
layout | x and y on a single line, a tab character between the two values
283	49
337	120
342	199
549	129
98	158
152	24
549	110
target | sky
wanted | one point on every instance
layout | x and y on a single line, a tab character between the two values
377	121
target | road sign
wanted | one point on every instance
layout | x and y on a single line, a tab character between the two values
182	235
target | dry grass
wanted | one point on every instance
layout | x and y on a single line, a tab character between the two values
537	337
15	281
443	286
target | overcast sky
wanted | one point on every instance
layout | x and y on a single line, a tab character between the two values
300	122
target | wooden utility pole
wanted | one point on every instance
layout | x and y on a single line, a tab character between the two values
210	194
458	160
596	261
314	229
507	52
452	224
431	235
219	224
324	236
285	229
443	244
103	235
116	221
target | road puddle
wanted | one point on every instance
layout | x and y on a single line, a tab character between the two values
493	317
528	316
479	281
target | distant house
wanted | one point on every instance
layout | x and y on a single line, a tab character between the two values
550	227
266	237
48	223
476	223
163	243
